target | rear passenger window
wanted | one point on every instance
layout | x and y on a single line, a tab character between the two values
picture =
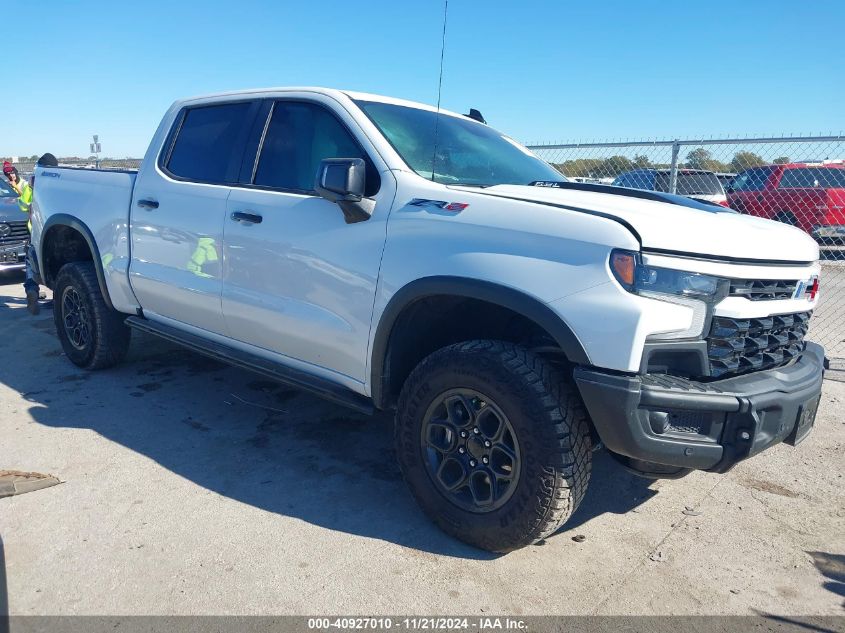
208	145
299	136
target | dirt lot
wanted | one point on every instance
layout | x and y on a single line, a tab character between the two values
189	487
828	323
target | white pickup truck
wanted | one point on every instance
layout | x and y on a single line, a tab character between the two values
387	255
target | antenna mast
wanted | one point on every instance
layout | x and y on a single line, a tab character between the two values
439	88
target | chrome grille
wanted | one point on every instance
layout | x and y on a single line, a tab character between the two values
16	232
763	289
739	346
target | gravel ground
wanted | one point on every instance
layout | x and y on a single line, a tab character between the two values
828	323
192	488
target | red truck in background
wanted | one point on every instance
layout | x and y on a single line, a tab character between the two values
808	195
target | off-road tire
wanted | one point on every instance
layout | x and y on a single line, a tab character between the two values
550	426
108	338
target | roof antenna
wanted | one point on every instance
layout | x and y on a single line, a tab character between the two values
439	87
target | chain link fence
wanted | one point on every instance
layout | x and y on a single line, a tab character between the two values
795	180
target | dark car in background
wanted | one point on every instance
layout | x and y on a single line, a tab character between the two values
14	235
699	184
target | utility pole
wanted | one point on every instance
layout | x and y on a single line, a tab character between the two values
95	149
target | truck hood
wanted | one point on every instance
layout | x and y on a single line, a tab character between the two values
703	232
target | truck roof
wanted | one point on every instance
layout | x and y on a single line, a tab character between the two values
330	92
827	164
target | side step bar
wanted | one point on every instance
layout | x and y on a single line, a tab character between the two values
245	360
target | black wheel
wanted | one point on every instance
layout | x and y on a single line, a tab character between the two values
93	335
494	444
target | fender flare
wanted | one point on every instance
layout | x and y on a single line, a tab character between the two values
63	219
507	297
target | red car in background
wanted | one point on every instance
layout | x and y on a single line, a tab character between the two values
810	196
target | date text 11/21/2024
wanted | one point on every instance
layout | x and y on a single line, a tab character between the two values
481	624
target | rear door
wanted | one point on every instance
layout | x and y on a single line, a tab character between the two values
178	210
300	281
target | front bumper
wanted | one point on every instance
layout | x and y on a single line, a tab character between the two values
13	256
675	422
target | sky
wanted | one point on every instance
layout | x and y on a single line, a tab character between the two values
541	72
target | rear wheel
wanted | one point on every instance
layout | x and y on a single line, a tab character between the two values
493	443
93	335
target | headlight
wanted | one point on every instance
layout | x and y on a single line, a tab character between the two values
693	290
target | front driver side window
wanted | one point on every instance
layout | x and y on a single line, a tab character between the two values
299	136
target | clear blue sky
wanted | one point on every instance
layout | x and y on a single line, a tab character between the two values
540	71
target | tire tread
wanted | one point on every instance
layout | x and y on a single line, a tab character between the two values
568	466
110	334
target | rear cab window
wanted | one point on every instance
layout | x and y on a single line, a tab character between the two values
207	142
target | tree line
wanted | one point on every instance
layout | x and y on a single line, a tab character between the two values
698	158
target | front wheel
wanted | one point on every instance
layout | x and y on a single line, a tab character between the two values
93	336
493	443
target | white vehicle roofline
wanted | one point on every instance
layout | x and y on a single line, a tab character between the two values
330	92
257	92
363	96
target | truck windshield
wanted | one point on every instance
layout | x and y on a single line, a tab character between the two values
468	152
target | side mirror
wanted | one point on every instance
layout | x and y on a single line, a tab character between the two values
342	181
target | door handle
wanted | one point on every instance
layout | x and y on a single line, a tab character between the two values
246	217
148	204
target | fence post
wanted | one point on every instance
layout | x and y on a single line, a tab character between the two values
673	173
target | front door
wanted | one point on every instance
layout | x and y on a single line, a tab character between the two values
299	280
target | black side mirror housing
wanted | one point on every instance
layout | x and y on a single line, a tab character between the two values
343	181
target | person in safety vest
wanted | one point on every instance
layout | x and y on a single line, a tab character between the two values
24	191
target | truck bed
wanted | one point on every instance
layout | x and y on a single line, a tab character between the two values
100	199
